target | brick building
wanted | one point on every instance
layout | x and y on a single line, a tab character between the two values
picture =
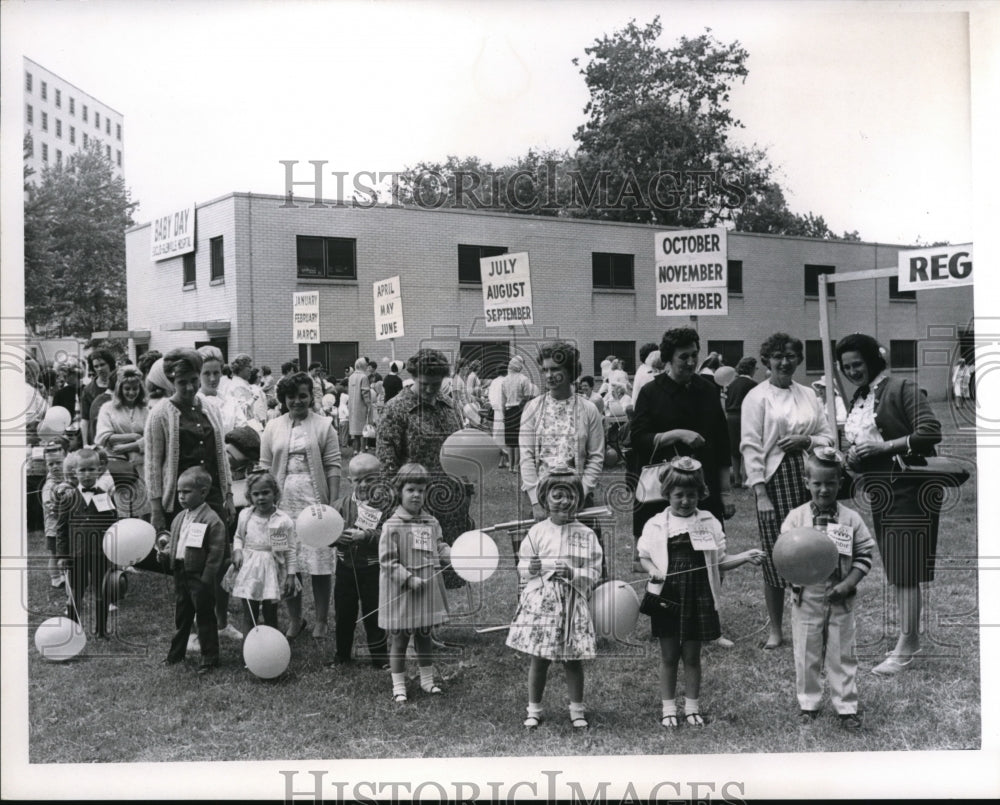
592	282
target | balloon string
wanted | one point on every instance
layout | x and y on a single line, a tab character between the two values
253	620
675	573
72	598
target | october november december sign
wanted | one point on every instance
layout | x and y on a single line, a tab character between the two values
691	273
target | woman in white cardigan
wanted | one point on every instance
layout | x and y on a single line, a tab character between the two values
781	419
302	451
121	424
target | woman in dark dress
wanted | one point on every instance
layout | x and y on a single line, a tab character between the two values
735	393
889	417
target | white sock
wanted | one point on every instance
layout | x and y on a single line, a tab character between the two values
669	707
691	706
534	709
577	710
399	683
426	676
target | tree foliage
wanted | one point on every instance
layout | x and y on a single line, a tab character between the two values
75	217
656	147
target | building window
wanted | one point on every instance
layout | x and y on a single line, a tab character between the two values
812	281
58	157
729	351
107	126
118	131
45	152
58	99
119	155
610	270
58	127
45	121
31	147
189	275
27	81
45	91
108	151
895	293
329	258
468	261
72	105
734	279
85	113
97	120
903	354
336	356
814	354
72	135
623	350
30	114
218	269
85	140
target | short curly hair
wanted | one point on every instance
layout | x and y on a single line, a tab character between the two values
778	342
557	478
428	362
676	338
564	354
290	385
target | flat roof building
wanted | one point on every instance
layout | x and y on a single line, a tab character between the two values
63	119
592	282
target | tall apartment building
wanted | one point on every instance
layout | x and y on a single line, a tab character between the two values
63	119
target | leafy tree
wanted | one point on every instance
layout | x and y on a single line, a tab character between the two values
75	219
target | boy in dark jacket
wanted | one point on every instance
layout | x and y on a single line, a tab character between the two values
197	547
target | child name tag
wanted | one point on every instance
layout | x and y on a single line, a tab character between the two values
368	517
579	540
195	535
102	502
422	537
842	537
279	539
702	539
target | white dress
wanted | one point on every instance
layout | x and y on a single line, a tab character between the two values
264	568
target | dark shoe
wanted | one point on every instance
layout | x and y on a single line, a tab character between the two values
207	667
169	661
807	717
850	721
294	631
338	660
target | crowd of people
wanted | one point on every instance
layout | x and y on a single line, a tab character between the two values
223	458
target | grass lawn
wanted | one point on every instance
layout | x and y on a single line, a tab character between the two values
116	703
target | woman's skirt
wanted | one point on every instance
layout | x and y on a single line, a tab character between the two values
553	622
258	579
296	494
905	513
512	425
786	489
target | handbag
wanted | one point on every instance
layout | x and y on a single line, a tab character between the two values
933	469
368	431
654	603
647	488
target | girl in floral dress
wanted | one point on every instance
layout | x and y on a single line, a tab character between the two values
559	559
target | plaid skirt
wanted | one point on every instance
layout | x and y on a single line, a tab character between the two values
695	617
553	622
787	490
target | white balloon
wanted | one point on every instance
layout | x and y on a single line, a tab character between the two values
266	652
469	452
57	418
614	606
319	526
129	541
239	489
725	375
475	556
60	639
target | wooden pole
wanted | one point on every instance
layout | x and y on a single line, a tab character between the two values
824	335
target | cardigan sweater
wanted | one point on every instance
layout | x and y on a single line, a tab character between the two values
323	451
863	545
572	542
762	426
652	545
206	560
901	409
589	453
163	451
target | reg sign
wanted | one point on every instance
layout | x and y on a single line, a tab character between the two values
935	267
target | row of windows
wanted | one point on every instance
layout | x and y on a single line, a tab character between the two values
217	264
335	258
44	87
45	150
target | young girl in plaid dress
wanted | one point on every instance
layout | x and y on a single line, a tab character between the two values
560	559
683	549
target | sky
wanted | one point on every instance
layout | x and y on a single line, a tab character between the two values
864	108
